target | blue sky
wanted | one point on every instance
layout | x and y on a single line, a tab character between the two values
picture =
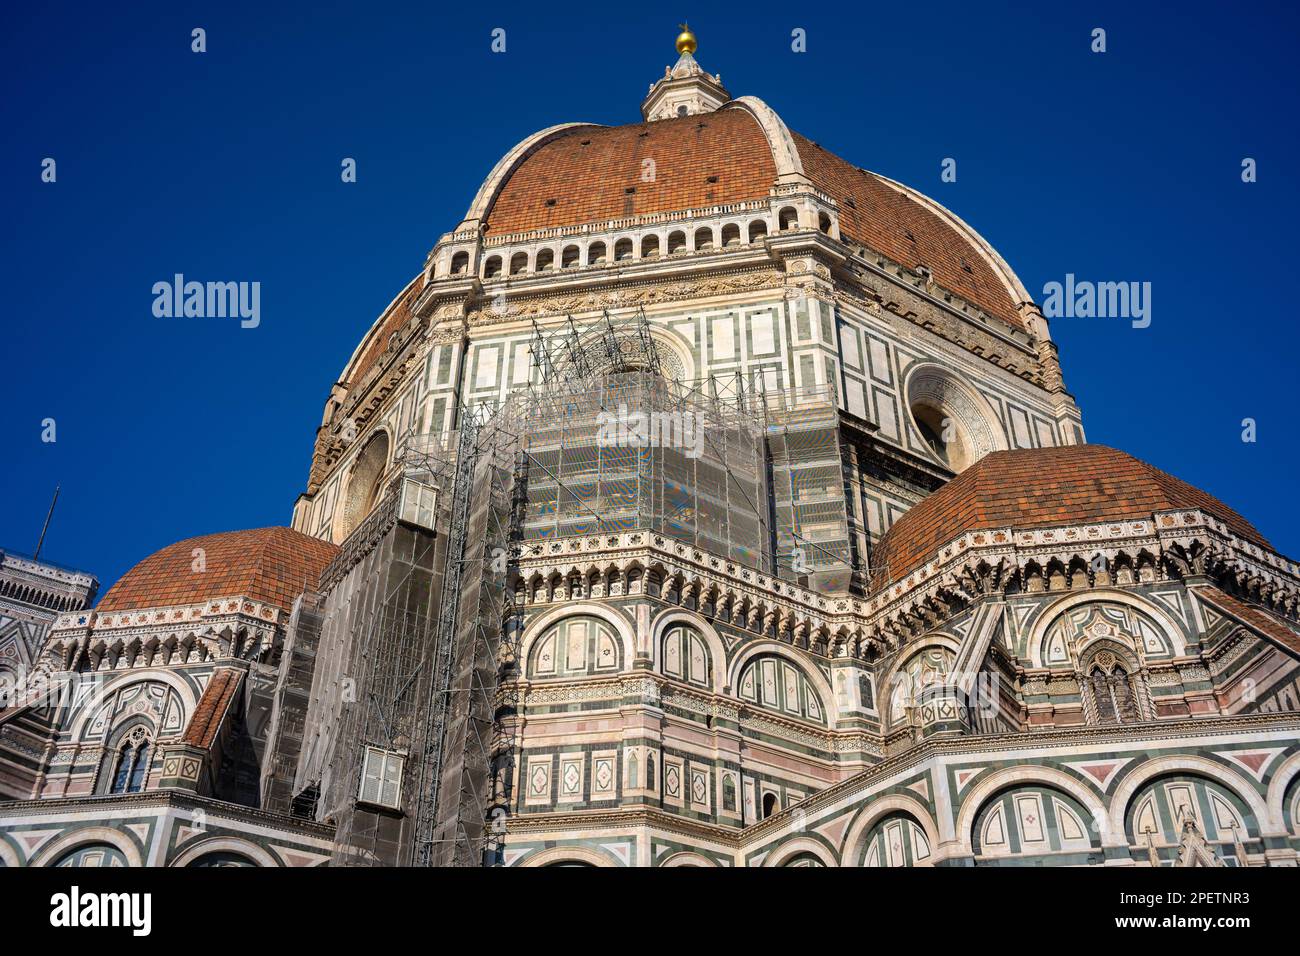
225	165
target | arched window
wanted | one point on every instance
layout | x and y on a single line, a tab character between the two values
492	267
769	805
757	230
704	238
545	260
569	257
1112	690
460	263
122	773
576	645
676	242
519	263
633	780
730	235
685	655
139	768
650	771
728	793
622	250
789	218
824	223
596	254
134	755
942	435
650	247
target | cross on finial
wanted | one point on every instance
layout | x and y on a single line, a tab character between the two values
686	42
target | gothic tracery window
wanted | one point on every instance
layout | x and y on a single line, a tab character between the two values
131	771
1112	690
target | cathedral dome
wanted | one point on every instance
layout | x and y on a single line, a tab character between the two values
1037	488
581	175
590	174
270	565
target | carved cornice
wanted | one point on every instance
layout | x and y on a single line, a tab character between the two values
617	292
1182	542
1125	737
800	614
171	618
584	821
973	566
165	799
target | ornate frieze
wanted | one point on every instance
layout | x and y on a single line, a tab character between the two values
506	307
1166	535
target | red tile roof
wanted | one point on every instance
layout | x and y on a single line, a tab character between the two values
1256	618
399	313
588	171
271	565
881	216
211	709
1036	488
584	175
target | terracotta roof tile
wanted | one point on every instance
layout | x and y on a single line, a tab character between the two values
399	313
585	175
879	215
1256	618
594	173
212	706
271	565
1042	487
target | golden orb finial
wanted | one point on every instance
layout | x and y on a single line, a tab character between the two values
686	40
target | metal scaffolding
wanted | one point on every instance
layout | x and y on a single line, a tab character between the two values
460	801
372	663
420	621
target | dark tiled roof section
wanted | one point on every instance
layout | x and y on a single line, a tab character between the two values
1256	618
588	172
211	710
398	315
878	215
1037	488
271	565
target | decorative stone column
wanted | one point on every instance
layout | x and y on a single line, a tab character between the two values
942	710
183	767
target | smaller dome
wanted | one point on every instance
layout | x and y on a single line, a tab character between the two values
1040	488
270	565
